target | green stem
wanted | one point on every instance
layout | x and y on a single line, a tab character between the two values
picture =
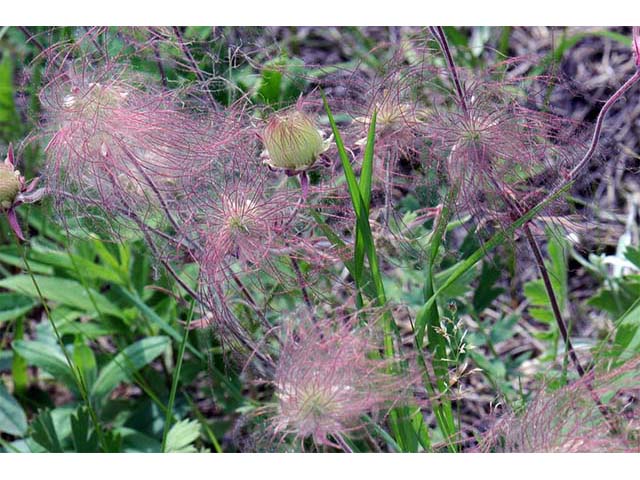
176	378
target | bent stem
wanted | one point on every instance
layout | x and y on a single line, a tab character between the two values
595	139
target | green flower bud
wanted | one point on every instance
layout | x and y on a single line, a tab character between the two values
293	141
9	185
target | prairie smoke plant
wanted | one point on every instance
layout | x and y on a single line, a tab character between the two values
567	420
117	145
328	376
399	135
498	152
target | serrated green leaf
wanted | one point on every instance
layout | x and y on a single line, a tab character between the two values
627	339
536	294
84	438
486	292
44	433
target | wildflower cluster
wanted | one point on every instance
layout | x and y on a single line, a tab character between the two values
253	201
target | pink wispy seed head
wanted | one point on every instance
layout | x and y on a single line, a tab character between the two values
498	150
328	376
399	135
117	143
243	226
568	420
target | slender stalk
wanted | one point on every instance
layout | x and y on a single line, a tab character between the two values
161	71
194	65
75	371
441	38
32	38
303	288
176	379
535	248
555	307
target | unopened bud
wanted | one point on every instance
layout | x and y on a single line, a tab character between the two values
9	185
293	141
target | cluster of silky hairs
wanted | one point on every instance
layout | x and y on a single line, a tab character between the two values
237	191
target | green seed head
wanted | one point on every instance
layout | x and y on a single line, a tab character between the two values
293	141
9	185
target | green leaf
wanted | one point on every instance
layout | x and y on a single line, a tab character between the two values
10	124
83	436
12	417
157	319
44	433
486	292
282	79
181	437
130	360
47	357
13	305
271	82
85	362
633	255
64	291
19	365
10	256
89	268
535	293
133	441
628	332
